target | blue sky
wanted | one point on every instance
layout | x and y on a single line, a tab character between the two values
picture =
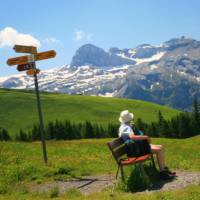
65	25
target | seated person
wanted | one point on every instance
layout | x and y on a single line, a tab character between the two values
126	132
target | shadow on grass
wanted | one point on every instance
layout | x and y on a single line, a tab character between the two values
142	178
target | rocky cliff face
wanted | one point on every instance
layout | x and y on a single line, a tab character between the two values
173	80
91	55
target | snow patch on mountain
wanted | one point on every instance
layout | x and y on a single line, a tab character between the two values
69	79
138	61
198	79
122	55
121	68
132	51
108	94
161	45
155	57
152	67
153	85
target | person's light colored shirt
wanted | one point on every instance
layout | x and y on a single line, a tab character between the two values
125	131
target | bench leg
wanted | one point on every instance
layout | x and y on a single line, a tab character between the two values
116	176
122	172
122	175
139	166
142	170
153	162
117	172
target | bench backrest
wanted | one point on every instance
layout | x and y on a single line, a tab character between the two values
117	148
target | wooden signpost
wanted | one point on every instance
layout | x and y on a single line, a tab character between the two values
25	49
31	72
27	63
45	55
18	60
31	58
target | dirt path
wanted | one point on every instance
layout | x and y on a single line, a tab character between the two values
86	185
183	179
92	184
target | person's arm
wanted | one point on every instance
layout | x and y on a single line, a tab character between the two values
139	137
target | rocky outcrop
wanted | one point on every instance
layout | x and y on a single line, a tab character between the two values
94	56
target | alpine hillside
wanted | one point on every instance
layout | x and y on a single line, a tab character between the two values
167	74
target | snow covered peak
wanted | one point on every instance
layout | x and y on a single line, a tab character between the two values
68	79
92	55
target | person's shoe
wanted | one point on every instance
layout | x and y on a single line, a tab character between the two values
166	176
168	171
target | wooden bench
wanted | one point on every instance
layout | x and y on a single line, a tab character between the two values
118	150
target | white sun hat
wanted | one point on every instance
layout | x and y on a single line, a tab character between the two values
125	116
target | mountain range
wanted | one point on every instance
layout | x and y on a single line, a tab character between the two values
167	74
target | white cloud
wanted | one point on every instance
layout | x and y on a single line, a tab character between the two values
79	35
51	40
82	36
9	37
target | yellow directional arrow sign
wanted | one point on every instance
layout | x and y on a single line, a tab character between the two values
17	60
25	49
25	59
45	55
32	71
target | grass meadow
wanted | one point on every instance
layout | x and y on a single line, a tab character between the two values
21	166
18	109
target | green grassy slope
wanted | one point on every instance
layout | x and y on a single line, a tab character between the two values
18	109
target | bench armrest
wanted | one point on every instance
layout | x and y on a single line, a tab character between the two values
140	137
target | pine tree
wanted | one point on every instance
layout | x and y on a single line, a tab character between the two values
140	124
83	130
174	127
60	131
35	133
95	130
112	130
50	131
196	117
56	130
163	126
4	135
79	127
102	131
184	125
89	132
76	131
22	136
152	129
69	130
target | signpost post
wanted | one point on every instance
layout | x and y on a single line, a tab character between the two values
40	116
28	63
